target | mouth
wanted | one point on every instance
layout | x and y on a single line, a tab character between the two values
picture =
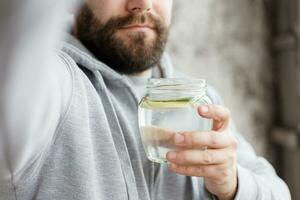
138	27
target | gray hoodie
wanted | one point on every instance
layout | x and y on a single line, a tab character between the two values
74	135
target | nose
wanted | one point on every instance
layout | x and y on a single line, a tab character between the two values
139	6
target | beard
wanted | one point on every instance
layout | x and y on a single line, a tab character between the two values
134	52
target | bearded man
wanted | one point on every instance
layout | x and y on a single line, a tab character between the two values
69	127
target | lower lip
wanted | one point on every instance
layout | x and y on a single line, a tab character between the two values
141	29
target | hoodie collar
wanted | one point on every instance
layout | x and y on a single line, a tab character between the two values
85	58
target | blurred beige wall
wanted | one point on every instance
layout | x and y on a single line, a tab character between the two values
226	42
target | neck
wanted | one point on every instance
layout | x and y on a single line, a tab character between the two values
147	73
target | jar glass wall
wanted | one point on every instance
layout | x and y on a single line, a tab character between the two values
170	106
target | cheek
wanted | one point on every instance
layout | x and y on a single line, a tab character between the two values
106	9
164	9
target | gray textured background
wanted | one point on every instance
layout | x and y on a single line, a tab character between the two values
227	43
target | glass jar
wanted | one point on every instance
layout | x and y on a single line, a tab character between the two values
170	106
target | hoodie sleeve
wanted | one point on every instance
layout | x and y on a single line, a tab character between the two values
257	179
34	81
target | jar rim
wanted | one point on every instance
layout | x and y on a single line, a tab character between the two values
176	84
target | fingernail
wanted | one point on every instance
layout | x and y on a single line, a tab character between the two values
178	138
204	109
172	155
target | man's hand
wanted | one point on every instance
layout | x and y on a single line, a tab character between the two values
210	154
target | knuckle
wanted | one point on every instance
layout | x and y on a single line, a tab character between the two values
231	157
219	181
234	159
189	138
234	143
224	110
214	139
231	154
196	139
225	173
207	157
231	160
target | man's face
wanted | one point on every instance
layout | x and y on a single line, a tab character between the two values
128	35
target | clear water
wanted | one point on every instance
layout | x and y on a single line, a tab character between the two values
160	120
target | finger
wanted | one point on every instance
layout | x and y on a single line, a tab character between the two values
201	157
216	172
219	114
198	140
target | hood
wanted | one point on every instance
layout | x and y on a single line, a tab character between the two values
86	59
